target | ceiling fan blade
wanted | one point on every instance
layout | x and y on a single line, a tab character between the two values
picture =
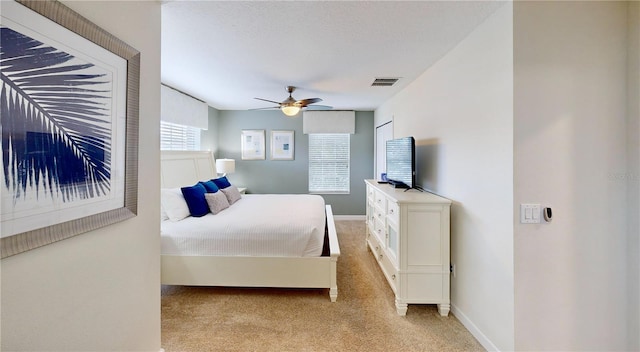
319	107
290	102
270	107
305	102
270	101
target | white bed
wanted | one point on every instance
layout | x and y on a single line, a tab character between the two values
238	262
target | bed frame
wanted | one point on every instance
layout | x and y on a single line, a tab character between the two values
181	168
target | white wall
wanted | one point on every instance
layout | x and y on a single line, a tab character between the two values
99	290
463	128
633	173
570	154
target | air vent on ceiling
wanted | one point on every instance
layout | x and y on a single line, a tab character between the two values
384	82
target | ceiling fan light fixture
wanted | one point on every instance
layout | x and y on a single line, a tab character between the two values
290	106
290	110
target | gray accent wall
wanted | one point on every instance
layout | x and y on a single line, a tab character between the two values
288	176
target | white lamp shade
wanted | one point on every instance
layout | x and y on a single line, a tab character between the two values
225	166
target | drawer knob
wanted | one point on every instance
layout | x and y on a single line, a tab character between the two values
393	277
391	211
380	256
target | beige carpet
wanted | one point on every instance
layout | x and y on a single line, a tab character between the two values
363	318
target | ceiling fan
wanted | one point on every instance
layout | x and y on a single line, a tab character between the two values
290	106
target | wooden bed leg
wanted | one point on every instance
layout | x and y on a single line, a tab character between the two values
333	294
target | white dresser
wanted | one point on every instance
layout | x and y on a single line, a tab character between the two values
408	233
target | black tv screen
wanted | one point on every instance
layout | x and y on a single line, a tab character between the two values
401	162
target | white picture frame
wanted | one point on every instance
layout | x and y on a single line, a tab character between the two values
252	144
282	145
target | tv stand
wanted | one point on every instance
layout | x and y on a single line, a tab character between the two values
417	188
409	235
396	184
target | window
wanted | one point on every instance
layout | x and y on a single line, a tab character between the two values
178	137
329	163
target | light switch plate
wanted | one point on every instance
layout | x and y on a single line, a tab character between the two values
529	213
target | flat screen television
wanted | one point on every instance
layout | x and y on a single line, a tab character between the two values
401	162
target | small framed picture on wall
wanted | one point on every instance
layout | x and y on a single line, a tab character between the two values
282	145
253	145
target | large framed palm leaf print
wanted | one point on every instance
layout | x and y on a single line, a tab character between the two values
69	125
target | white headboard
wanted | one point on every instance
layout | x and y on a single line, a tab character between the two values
185	168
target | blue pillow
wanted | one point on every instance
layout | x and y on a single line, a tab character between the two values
196	201
209	186
222	182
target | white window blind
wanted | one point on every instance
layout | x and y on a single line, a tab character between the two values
178	137
329	163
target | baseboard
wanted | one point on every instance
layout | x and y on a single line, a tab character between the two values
473	329
349	217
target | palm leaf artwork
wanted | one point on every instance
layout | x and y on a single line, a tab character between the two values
55	121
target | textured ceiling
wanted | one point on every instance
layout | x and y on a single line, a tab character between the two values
228	52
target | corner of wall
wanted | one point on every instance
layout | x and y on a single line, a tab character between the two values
633	174
209	137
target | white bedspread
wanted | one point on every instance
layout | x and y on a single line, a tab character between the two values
271	225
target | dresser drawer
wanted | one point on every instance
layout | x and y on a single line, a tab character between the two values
371	194
379	230
371	226
380	201
393	211
379	213
389	270
376	247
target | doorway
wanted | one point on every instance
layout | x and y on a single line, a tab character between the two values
384	133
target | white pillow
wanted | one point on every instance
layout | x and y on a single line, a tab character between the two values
174	204
217	202
163	213
232	193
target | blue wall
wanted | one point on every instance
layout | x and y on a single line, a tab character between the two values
288	176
